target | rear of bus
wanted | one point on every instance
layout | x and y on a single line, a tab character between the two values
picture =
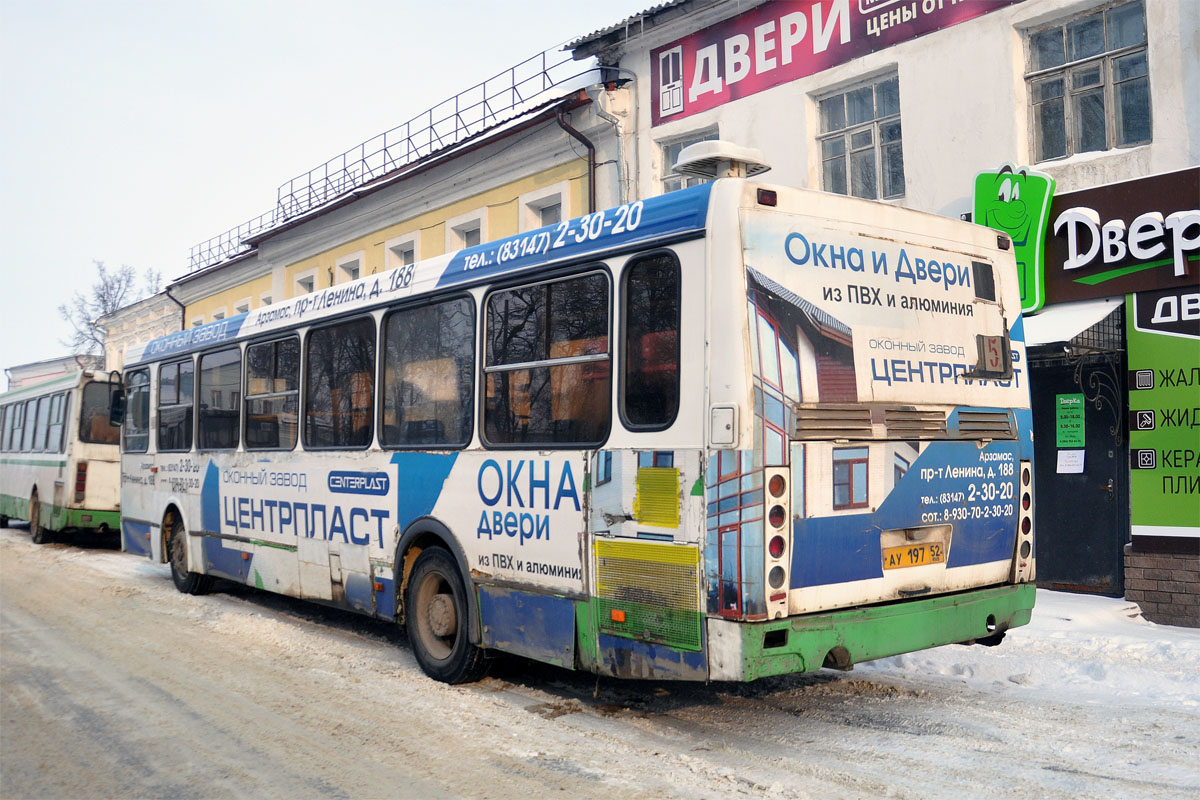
869	490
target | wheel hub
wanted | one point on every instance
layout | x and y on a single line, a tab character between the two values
443	621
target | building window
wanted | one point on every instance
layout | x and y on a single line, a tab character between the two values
428	375
656	458
219	314
175	390
861	153
242	306
340	385
899	467
549	366
670	154
220	394
849	478
350	269
272	394
1089	83
197	322
305	283
402	251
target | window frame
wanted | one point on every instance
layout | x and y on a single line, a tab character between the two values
144	388
669	179
79	432
851	462
847	131
247	397
381	359
623	376
1069	97
572	273
158	428
306	392
198	386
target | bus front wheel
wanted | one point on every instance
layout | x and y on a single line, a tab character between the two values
185	580
435	603
38	533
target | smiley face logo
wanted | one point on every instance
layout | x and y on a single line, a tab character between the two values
1017	202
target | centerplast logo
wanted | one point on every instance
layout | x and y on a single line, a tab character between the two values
372	483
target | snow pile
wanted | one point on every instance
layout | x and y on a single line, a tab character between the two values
1100	647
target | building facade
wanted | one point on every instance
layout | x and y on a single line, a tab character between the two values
1071	124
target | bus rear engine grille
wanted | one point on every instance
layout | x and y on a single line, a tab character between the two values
911	423
649	592
986	425
830	421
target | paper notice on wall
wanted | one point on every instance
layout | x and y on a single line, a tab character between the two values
1070	462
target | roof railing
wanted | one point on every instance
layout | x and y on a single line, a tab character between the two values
485	105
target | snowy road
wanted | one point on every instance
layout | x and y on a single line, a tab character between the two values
114	685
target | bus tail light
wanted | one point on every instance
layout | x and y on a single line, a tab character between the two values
778	535
1024	564
80	481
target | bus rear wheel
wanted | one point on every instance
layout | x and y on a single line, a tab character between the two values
38	533
185	580
435	603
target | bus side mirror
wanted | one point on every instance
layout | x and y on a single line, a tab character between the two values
116	408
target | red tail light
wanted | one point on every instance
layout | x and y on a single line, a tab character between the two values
80	481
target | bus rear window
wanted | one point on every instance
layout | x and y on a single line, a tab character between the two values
93	414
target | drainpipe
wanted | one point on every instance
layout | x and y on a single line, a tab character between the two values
182	309
623	178
591	157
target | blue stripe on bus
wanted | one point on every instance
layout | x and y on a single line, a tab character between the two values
419	481
841	549
135	537
659	217
222	330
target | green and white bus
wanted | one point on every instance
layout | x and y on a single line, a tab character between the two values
59	456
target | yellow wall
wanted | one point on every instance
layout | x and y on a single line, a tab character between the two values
503	219
229	298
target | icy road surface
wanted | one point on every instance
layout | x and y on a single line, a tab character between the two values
112	684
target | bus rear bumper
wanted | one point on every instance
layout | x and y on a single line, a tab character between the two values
740	651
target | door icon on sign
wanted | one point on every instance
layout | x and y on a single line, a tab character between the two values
670	82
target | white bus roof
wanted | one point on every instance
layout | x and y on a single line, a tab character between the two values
667	217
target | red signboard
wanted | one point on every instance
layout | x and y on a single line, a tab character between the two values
781	41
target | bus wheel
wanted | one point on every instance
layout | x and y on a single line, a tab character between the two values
3	521
185	581
39	534
435	603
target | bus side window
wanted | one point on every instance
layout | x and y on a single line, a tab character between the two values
219	395
175	384
136	428
339	384
428	378
30	421
650	369
273	394
548	363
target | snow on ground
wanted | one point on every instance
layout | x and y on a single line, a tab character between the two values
1100	647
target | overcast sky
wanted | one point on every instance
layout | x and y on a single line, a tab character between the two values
134	129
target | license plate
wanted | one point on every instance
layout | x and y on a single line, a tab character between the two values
914	555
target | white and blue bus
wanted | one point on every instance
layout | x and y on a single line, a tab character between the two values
59	460
734	431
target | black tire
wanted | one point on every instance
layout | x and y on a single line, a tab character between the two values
37	532
435	604
3	521
185	580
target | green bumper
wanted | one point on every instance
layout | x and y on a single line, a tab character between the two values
801	644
